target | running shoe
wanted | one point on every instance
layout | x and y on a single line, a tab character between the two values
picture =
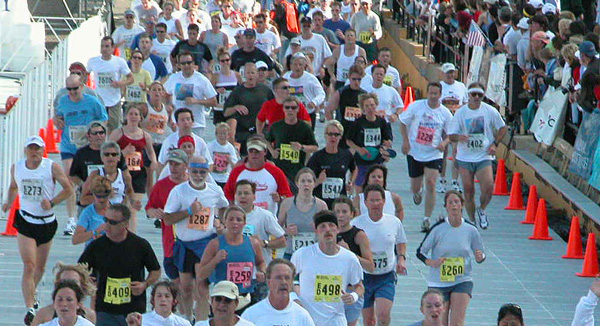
483	220
456	185
36	301
157	224
322	116
425	225
418	197
70	227
441	186
29	316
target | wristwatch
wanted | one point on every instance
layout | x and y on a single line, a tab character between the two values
265	243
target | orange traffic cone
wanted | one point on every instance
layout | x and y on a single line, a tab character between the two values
409	97
515	202
58	135
50	139
574	247
590	262
540	228
117	52
10	230
500	185
42	134
532	204
90	82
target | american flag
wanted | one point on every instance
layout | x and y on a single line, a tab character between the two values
475	37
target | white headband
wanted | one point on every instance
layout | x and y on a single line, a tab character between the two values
476	90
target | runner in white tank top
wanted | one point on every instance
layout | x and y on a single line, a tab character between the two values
35	185
118	186
343	59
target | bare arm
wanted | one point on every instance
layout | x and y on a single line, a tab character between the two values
398	205
209	260
366	260
334	101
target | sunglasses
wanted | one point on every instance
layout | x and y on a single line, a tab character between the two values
476	94
112	222
200	172
284	87
222	299
290	107
137	57
72	88
187	62
225	60
111	154
160	32
356	79
102	195
96	133
333	134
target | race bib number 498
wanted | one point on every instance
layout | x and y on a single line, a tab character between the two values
328	288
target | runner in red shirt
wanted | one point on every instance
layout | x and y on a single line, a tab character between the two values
272	110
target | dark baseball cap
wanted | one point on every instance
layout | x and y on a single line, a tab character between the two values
249	32
306	20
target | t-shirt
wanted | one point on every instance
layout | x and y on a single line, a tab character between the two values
479	125
454	96
252	98
153	319
263	223
389	100
271	112
384	235
241	322
196	86
106	71
163	51
392	76
282	135
365	133
158	199
267	41
336	166
322	279
342	25
90	220
77	116
87	160
268	179
126	264
240	57
201	224
134	92
221	155
318	46
329	35
155	66
425	128
264	314
80	322
171	143
199	50
306	88
123	34
362	23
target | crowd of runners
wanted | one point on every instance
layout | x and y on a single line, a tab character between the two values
261	225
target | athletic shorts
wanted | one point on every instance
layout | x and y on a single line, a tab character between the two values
170	269
417	168
473	166
464	287
362	173
379	286
138	181
66	156
41	233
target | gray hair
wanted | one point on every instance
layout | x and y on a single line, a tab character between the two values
110	145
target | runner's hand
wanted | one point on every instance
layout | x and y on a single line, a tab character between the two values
276	197
596	287
5	207
492	149
347	298
46	205
241	109
221	255
134	319
296	145
155	213
322	176
137	288
196	206
190	101
401	267
436	263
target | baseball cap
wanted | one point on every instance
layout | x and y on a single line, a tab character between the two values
261	65
256	144
523	23
549	8
78	66
541	36
447	67
229	290
129	12
296	41
177	155
306	20
367	1
587	48
35	140
249	32
95	124
537	4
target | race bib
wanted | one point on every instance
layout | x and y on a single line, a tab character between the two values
216	67
249	230
93	167
156	123
328	288
77	135
476	142
287	153
380	259
240	273
134	161
332	188
222	97
199	221
118	290
32	189
303	239
262	204
388	80
372	137
134	94
220	161
344	74
105	78
452	267
365	37
352	113
425	135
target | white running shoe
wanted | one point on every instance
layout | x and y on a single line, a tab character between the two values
425	225
441	186
70	227
456	185
483	220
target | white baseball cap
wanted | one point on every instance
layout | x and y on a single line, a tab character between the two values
261	64
537	4
523	23
35	140
447	67
548	8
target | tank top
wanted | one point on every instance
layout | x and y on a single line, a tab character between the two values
213	41
348	98
135	161
239	265
389	207
349	237
118	186
155	123
304	221
344	62
227	82
35	186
